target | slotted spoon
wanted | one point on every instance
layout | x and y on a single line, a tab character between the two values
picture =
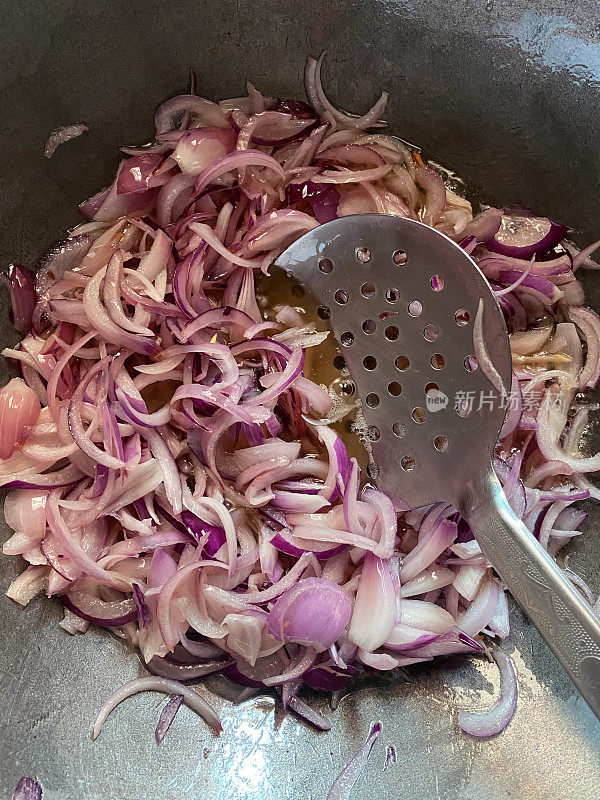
402	299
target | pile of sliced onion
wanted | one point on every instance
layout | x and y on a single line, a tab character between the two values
170	468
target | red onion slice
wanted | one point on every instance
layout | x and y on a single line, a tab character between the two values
524	237
344	783
494	721
167	715
191	698
27	789
314	612
62	135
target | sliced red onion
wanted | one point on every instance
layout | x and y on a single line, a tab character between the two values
191	698
375	605
422	614
317	98
526	342
403	637
27	789
307	713
499	623
435	193
484	226
286	542
19	282
143	612
184	672
432	545
468	580
199	148
494	721
119	613
73	549
136	173
327	679
589	324
167	715
323	199
277	128
514	279
61	257
314	612
62	135
236	161
515	409
481	610
524	237
552	419
198	529
481	353
344	783
182	408
233	674
196	109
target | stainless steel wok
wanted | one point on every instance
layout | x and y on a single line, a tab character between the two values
507	94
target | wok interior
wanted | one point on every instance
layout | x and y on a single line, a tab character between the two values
504	94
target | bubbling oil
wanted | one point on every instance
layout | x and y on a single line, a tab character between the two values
324	364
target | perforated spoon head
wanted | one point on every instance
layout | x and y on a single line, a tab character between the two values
403	299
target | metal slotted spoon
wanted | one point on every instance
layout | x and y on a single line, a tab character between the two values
402	300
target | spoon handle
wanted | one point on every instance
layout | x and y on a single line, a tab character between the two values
538	584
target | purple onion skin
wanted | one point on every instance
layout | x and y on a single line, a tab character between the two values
104	623
297	108
233	674
20	283
324	680
313	612
27	789
548	242
197	528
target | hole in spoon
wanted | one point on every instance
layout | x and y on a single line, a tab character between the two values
347	339
372	400
369	362
462	317
407	463
363	254
437	283
471	363
415	308
399	429
419	415
341	296
326	265
402	363
440	443
368	289
400	257
438	361
373	433
369	326
392	333
394	389
323	312
431	333
339	362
